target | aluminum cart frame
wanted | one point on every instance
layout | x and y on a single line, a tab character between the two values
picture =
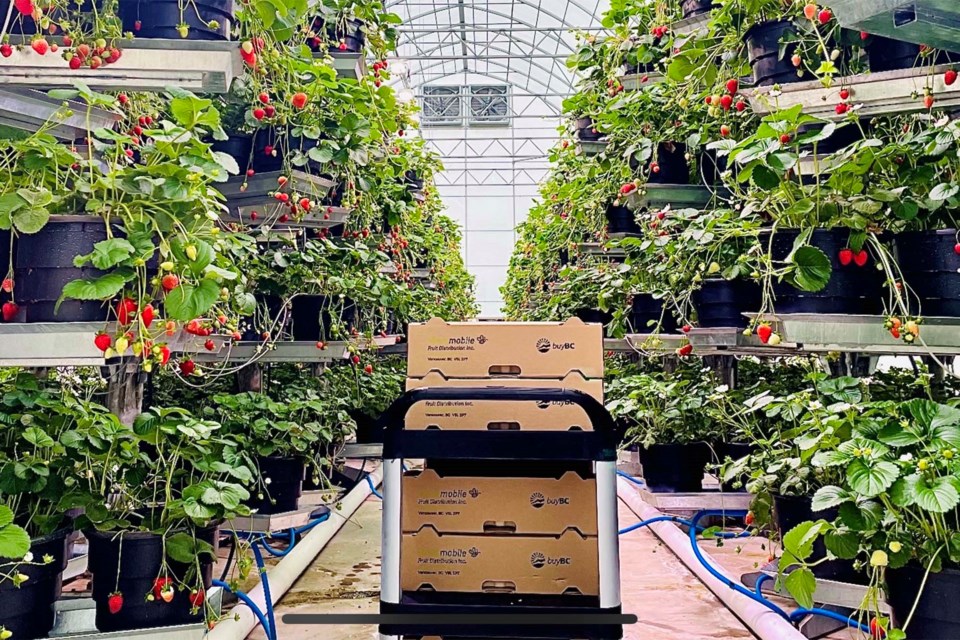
598	447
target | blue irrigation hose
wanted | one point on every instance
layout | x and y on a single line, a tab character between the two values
720	534
245	599
719	576
629	477
278	553
758	588
267	598
373	489
799	614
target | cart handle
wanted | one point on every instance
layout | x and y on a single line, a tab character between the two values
394	417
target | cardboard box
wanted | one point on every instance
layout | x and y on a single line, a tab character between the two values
513	349
522	506
474	415
499	564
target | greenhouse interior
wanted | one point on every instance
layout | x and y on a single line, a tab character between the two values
479	319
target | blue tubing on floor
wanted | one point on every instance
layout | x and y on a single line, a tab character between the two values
799	614
629	477
720	534
373	489
245	599
267	598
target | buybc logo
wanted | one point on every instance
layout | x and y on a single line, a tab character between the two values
538	500
545	345
539	560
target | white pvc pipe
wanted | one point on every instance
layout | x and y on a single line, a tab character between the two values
282	576
763	622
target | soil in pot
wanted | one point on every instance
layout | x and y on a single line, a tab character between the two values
722	303
27	611
621	219
586	130
692	8
930	266
674	468
205	19
790	511
594	316
44	265
283	492
646	312
851	289
936	616
764	52
130	563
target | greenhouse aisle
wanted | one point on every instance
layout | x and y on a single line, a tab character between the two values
668	599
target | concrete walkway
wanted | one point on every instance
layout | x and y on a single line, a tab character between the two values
669	600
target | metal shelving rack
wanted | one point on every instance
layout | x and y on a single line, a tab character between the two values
148	64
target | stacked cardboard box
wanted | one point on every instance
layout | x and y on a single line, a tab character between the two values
505	527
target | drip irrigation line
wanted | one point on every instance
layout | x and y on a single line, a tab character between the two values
799	614
245	599
373	489
635	481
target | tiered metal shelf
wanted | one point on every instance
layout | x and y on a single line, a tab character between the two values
29	110
637	81
257	198
592	147
693	26
935	23
274	352
146	65
420	273
675	196
887	92
349	65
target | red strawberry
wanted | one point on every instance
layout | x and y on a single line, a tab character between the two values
299	100
956	248
164	354
250	173
726	102
844	94
764	332
137	25
845	256
7	285
355	359
877	632
321	345
630	187
24	6
9	311
6	50
949	77
125	310
160	584
270	111
824	16
733	85
785	138
861	257
83	50
115	602
259	114
686	328
741	105
264	98
928	101
187	367
170	282
724	130
685	350
197	598
368	368
864	35
305	204
40	45
209	345
842	108
102	341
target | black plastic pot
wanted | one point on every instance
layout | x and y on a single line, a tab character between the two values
646	312
696	7
239	147
710	166
722	303
350	33
594	316
674	468
307	317
130	563
621	219
265	140
27	610
161	18
929	264
44	264
672	164
851	289
269	309
763	50
367	430
887	54
285	488
25	24
586	130
790	511
937	616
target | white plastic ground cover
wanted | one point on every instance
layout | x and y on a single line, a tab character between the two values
762	622
283	575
